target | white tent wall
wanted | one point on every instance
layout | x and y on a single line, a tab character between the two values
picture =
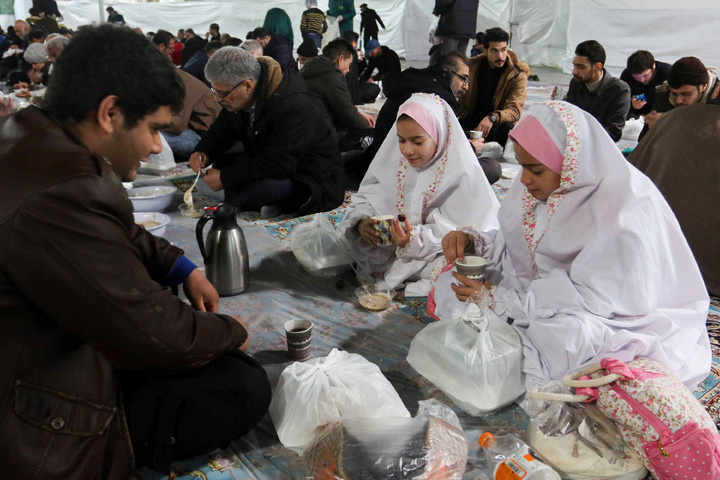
539	30
234	17
667	28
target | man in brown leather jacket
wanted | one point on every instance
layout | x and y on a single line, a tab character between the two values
496	91
102	369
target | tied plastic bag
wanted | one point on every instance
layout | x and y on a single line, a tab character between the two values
319	248
321	390
578	441
159	163
431	446
474	358
432	38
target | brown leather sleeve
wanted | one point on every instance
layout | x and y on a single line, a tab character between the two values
74	251
513	104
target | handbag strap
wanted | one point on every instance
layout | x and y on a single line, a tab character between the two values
641	410
558	397
572	379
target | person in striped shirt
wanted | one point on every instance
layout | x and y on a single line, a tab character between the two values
313	23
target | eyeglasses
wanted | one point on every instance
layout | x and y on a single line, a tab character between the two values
465	78
222	95
684	95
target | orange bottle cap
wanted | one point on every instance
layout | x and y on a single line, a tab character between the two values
484	438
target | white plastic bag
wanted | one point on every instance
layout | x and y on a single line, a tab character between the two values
159	163
321	390
332	32
474	358
430	446
319	248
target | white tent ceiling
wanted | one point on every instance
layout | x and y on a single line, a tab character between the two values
544	32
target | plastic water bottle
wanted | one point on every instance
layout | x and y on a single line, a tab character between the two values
511	459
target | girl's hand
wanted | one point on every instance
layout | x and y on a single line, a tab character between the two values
467	287
454	245
401	236
368	232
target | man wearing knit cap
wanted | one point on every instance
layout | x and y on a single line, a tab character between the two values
305	51
689	83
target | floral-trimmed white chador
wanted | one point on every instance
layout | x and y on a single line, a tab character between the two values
449	192
599	270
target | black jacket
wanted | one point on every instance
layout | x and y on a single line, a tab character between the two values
609	103
369	21
280	50
328	90
398	88
457	18
288	139
192	45
387	63
662	70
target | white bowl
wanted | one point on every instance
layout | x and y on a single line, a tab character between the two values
160	222
151	199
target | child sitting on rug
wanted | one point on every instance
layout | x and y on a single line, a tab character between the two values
589	261
433	180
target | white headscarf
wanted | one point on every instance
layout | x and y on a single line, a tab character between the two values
449	192
599	270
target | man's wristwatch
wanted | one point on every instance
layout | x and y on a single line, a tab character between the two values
494	118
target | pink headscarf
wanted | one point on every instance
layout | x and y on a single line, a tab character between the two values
531	135
424	118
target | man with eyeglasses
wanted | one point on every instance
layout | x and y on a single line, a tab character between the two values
290	160
689	83
496	90
448	78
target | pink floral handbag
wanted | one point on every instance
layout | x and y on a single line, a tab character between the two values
658	416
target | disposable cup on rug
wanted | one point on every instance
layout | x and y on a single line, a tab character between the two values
299	336
383	228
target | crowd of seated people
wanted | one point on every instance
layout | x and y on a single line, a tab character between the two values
271	132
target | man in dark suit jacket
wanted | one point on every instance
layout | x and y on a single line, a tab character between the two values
369	23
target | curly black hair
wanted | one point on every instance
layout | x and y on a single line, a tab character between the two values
112	60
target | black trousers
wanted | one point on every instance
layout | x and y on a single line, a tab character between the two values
499	133
182	415
368	34
369	92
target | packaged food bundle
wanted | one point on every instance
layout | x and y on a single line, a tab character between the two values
340	385
426	447
474	358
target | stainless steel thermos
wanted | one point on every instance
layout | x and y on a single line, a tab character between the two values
224	251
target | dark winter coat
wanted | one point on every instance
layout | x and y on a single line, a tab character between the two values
457	18
287	139
370	20
280	50
387	63
328	90
192	46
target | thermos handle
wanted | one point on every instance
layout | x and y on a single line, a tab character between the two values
199	232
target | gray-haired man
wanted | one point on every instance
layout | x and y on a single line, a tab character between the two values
290	160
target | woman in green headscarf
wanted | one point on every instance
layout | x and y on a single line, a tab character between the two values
278	22
344	9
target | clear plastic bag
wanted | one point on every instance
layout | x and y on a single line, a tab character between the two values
319	248
474	358
321	390
578	440
431	446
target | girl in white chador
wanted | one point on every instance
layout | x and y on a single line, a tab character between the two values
589	260
433	179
